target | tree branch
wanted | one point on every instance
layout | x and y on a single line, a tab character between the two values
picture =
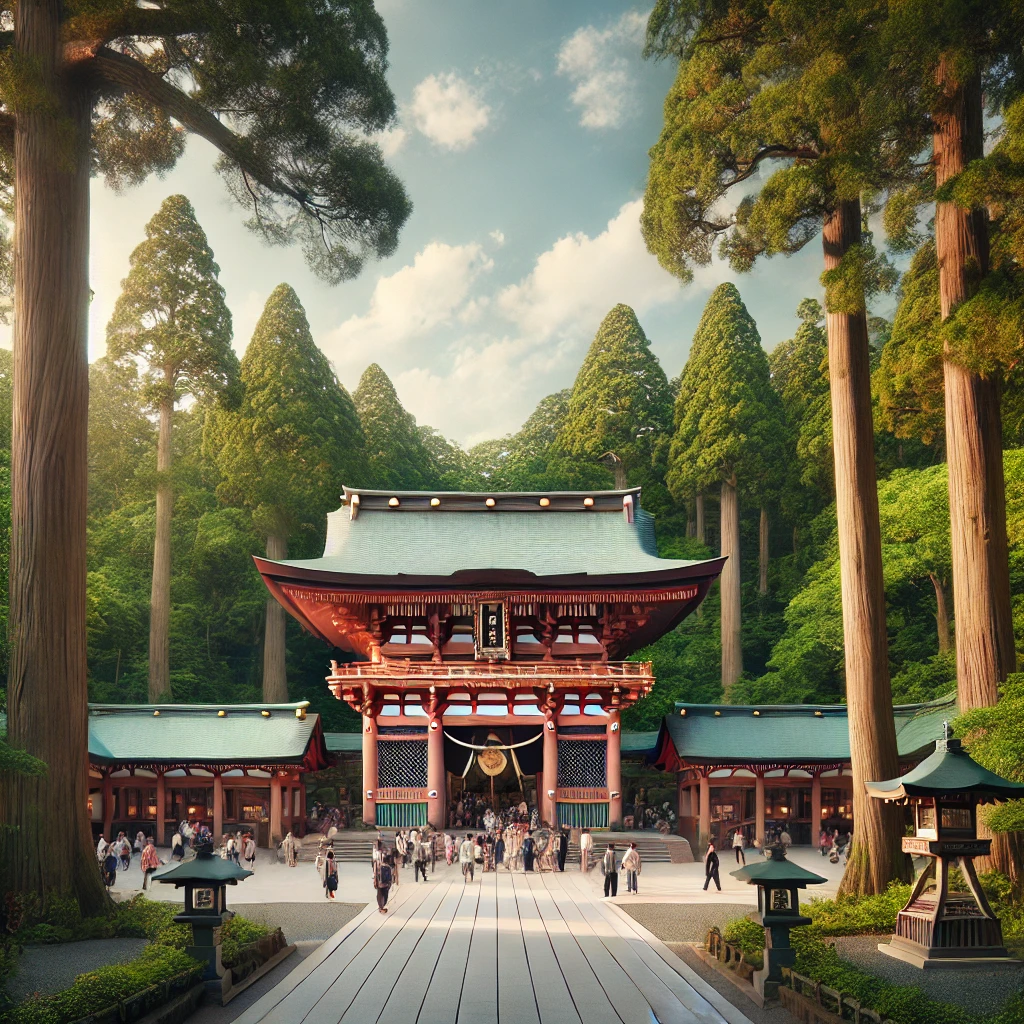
135	22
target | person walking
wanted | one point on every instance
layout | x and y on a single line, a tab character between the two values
711	868
449	848
529	851
420	862
149	862
610	870
330	875
101	849
177	847
290	849
586	847
499	851
249	852
563	846
631	865
382	875
466	858
738	843
110	867
401	845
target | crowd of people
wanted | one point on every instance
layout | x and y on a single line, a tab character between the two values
835	844
473	812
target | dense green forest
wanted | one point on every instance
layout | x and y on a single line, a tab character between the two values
260	448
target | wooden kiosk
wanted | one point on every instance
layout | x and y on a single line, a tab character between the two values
939	928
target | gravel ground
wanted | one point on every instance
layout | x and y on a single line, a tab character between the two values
301	922
980	991
682	922
48	969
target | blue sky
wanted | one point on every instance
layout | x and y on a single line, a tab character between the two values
522	140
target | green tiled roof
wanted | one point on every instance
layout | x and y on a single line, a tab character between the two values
732	733
639	742
343	742
120	733
517	535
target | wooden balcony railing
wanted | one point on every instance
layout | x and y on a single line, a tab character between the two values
601	673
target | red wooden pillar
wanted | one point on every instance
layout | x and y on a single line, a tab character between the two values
704	835
161	810
108	806
815	808
614	769
275	811
369	769
218	807
435	773
759	807
549	798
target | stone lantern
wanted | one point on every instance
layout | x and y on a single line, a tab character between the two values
778	882
205	879
939	928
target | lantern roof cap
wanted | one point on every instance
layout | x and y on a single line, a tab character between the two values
204	867
950	772
778	872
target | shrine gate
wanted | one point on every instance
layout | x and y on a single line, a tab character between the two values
502	621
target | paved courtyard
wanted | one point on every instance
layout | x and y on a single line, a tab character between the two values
509	948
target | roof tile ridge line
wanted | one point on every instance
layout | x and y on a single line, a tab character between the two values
762	707
298	705
484	494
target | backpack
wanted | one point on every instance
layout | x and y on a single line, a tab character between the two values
384	877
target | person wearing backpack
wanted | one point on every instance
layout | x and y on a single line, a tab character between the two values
610	870
420	862
330	875
383	872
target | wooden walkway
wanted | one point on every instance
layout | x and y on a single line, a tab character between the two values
505	949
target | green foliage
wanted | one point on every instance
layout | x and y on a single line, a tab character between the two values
171	311
748	937
850	914
620	409
729	420
295	438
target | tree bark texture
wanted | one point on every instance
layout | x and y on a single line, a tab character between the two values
941	613
762	554
982	618
732	639
875	857
49	850
275	676
160	594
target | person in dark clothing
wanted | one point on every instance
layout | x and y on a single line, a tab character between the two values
529	851
610	870
383	875
563	849
711	868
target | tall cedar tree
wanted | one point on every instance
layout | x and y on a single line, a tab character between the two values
784	82
620	408
287	450
288	93
954	55
171	314
395	454
728	424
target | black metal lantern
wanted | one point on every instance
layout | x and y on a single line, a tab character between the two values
778	884
205	879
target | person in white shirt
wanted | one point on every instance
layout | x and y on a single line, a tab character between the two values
631	865
738	842
466	858
586	847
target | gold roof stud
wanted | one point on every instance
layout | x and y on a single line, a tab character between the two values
265	714
588	502
819	714
718	714
434	502
394	502
682	712
757	714
544	502
490	503
222	713
156	714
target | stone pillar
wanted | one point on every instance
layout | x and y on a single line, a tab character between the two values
614	769
435	774
108	806
548	803
275	811
161	810
759	808
369	794
704	835
218	808
815	808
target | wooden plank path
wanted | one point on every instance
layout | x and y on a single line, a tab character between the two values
503	949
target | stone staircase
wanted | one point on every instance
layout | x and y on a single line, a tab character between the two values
653	846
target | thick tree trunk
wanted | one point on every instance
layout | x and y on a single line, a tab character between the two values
732	638
160	594
974	444
701	535
875	858
982	618
275	677
762	554
941	613
49	850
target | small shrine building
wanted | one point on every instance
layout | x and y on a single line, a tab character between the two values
490	633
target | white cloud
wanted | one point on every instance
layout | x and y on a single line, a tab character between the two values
391	141
448	111
595	61
428	293
575	282
497	236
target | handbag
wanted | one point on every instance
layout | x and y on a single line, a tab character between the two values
332	883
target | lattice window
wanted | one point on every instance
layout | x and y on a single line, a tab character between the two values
581	763
401	764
